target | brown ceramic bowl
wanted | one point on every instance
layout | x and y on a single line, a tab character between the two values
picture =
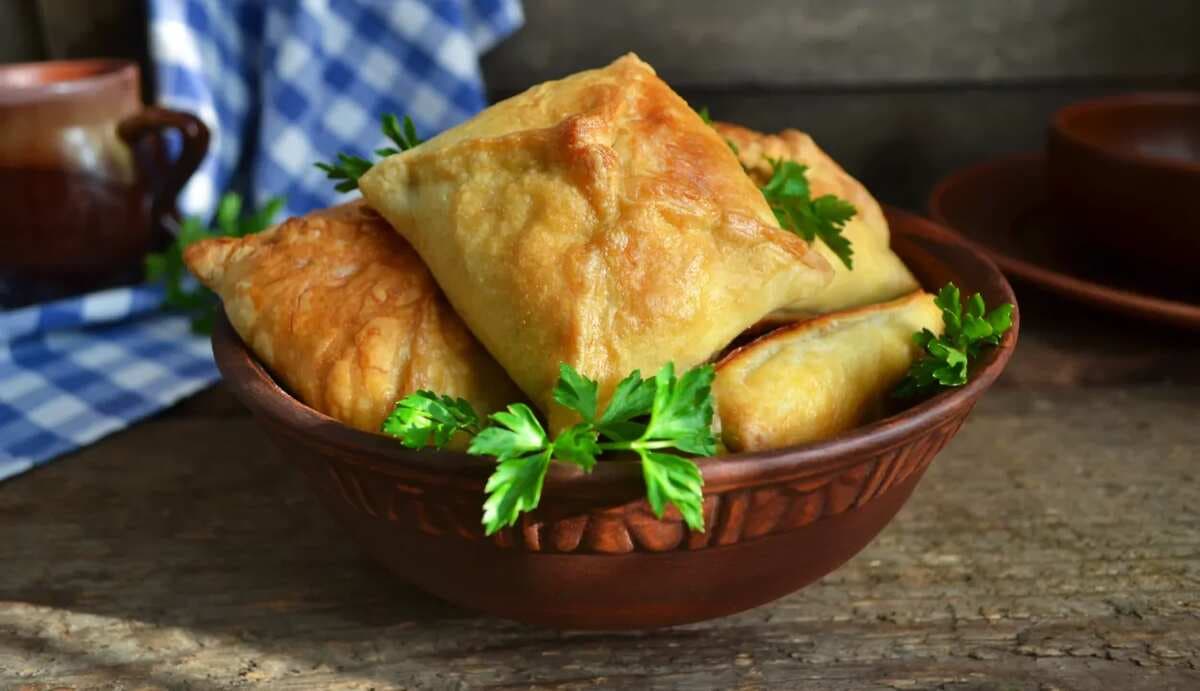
1004	207
1128	167
593	556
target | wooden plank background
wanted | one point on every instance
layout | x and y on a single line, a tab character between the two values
790	43
901	93
768	43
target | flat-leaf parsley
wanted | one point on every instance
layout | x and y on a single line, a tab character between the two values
348	169
822	218
647	417
946	358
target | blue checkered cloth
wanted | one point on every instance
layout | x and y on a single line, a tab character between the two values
76	370
281	84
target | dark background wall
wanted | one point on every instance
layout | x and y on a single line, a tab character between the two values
900	91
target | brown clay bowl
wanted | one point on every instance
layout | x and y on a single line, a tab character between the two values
1128	167
593	556
1004	207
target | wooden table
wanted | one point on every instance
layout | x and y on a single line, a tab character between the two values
1055	544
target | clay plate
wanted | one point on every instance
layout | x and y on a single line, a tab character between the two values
593	556
1003	206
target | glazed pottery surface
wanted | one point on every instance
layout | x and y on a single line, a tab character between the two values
1128	168
1004	207
593	556
86	182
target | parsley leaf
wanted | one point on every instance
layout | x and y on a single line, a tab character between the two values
823	218
643	416
632	398
578	445
514	488
405	137
946	359
520	445
674	480
167	267
682	411
576	392
516	432
424	416
790	199
348	169
680	417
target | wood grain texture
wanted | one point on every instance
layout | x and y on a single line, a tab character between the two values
811	42
1067	344
1055	544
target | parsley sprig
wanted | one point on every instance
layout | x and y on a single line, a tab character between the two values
790	198
947	357
185	295
646	417
348	169
425	417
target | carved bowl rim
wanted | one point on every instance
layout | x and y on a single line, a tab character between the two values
621	481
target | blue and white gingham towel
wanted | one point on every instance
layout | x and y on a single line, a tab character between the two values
79	369
282	84
323	72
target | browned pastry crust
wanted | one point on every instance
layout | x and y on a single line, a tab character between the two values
596	221
813	380
345	313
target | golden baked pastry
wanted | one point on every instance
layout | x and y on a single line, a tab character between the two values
878	274
345	313
596	221
812	380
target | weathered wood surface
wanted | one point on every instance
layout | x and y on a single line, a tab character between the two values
1055	544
